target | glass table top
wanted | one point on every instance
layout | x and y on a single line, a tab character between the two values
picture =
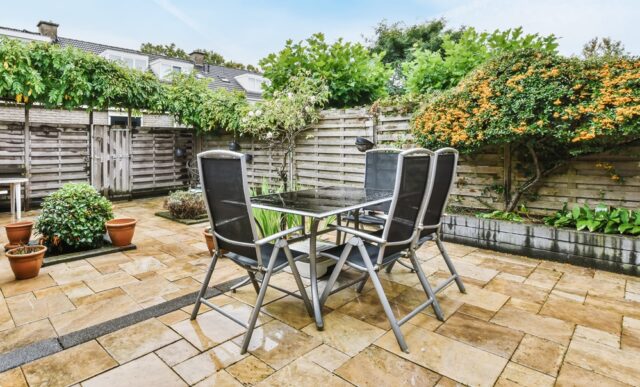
322	202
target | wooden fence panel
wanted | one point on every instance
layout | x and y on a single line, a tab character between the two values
324	155
58	154
154	164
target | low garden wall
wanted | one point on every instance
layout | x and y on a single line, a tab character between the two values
602	251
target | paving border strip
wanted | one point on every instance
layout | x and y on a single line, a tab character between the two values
50	346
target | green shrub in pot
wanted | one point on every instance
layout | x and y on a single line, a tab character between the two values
185	205
73	218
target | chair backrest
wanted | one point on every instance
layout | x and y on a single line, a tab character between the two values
223	176
414	180
446	165
380	172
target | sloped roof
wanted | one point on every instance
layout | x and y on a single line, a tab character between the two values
98	48
219	76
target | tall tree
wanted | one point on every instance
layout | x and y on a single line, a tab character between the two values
397	40
170	50
603	48
211	57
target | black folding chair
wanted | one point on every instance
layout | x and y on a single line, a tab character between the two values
223	176
379	173
368	253
445	172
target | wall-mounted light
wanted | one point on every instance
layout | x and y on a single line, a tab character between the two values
363	144
180	152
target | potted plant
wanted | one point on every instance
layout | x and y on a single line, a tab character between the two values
208	237
18	233
26	261
73	218
185	205
121	231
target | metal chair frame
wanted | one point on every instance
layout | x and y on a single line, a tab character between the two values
266	272
370	270
435	236
355	216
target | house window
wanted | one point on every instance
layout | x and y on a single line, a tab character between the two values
128	60
177	69
136	122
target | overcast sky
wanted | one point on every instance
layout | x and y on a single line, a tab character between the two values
247	30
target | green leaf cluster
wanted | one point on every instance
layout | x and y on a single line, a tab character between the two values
602	218
430	70
501	215
355	76
194	104
73	218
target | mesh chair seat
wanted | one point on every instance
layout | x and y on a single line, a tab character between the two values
355	258
265	250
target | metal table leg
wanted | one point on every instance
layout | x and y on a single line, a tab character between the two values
315	298
12	200
18	199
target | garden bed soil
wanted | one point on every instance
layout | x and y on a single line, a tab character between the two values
617	253
165	214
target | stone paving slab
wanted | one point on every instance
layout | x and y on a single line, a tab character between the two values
522	322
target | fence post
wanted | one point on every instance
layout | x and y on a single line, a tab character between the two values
506	172
27	159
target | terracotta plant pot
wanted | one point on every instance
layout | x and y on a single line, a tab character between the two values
121	231
211	242
11	246
208	237
19	233
27	264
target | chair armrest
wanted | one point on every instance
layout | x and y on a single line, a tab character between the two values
237	243
358	233
278	235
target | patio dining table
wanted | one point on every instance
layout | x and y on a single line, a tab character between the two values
317	204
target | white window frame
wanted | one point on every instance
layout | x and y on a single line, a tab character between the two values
248	82
124	115
126	55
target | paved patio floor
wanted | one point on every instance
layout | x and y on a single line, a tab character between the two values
521	322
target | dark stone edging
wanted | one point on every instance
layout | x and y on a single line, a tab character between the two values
50	346
616	253
188	222
77	255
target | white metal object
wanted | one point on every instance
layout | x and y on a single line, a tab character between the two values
15	190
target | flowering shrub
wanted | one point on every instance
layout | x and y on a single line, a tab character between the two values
549	108
279	119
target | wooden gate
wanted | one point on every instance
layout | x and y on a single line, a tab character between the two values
111	169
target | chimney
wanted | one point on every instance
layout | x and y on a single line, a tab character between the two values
49	29
197	57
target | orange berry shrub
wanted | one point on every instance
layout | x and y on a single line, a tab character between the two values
548	107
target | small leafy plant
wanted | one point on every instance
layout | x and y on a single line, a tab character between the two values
73	218
185	205
501	215
24	250
603	218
